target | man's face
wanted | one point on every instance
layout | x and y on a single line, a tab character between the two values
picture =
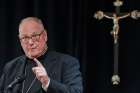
33	38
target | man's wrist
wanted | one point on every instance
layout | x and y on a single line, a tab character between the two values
45	86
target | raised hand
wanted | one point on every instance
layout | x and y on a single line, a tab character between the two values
40	73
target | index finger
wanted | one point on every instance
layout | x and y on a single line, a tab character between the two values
37	62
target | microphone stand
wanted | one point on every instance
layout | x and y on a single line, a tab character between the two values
17	80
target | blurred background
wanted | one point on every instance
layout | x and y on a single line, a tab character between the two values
73	30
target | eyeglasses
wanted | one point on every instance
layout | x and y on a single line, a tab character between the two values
34	37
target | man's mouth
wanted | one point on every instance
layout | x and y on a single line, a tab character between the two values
32	49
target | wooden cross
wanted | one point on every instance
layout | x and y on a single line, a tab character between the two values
116	17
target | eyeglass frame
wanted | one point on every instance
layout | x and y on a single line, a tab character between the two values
25	39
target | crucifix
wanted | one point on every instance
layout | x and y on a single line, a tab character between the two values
115	17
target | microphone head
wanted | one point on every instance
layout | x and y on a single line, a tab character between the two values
18	79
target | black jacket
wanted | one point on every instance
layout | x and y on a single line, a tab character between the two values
62	69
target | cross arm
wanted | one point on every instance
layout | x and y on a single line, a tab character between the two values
100	14
135	14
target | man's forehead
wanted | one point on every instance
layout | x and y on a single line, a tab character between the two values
29	32
29	25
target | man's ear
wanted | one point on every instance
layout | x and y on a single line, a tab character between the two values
45	35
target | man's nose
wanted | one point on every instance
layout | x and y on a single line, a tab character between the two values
30	41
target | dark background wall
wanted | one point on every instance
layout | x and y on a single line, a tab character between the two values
73	30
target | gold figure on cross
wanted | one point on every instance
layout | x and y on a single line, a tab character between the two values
115	31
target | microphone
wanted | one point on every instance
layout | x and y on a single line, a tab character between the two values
18	79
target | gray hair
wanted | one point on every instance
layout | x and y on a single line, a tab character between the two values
31	19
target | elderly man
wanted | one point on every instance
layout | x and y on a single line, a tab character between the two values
40	70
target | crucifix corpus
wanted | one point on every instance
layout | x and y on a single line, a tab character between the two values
116	17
